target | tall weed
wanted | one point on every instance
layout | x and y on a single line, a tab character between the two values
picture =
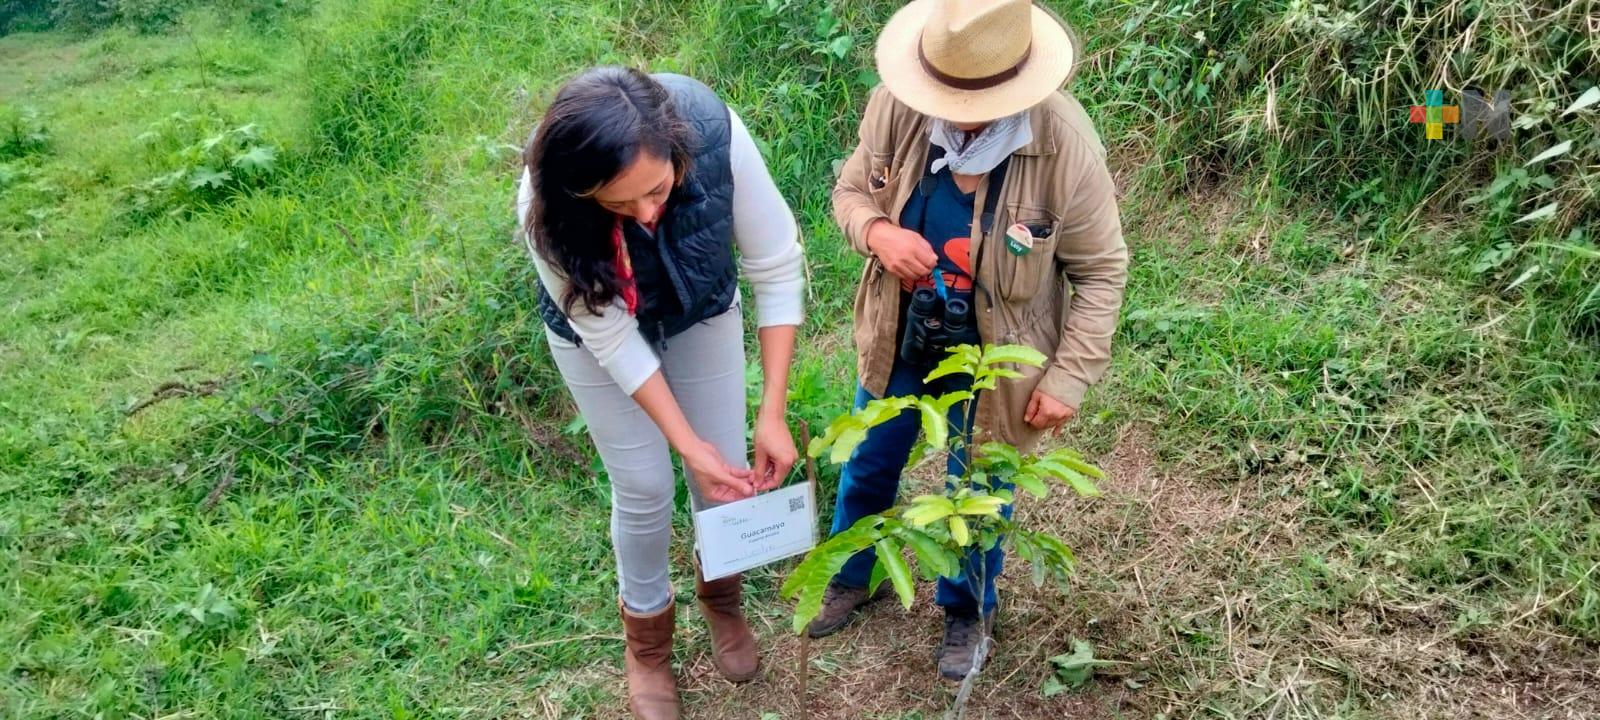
204	163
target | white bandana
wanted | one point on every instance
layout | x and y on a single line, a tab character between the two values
980	154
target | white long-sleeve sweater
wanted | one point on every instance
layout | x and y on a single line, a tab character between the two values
765	233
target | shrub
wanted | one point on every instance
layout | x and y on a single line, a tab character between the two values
22	133
24	16
203	172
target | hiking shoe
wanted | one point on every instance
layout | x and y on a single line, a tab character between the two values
839	604
958	652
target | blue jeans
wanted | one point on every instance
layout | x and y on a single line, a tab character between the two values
870	481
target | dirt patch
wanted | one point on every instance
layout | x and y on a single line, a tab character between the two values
882	666
1191	586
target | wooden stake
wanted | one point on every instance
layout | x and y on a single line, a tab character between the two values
804	711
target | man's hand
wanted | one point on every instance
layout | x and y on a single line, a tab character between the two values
903	252
775	451
1046	413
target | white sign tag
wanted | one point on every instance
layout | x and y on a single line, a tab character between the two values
749	533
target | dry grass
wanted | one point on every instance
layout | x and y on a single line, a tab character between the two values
1184	581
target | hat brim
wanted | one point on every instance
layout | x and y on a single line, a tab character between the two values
1047	69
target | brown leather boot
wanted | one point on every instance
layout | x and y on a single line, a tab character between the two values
839	605
733	646
652	691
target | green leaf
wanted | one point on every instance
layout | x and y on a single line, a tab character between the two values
1574	249
810	578
932	558
988	538
1000	452
1525	276
207	177
255	160
1589	97
1084	486
847	443
918	453
1020	354
878	412
1055	468
921	512
958	531
931	499
1052	687
831	435
1048	467
1076	669
948	400
952	365
840	47
899	573
879	574
1540	214
1076	462
1030	484
934	426
1050	555
980	505
1554	151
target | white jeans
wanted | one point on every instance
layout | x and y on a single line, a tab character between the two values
704	366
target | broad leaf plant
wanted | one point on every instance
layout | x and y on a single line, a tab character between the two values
941	529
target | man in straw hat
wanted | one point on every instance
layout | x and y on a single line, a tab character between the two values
980	196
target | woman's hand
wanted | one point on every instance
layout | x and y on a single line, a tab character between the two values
719	481
775	452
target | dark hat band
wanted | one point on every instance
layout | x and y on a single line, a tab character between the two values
983	83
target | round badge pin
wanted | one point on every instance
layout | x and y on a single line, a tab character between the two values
1019	240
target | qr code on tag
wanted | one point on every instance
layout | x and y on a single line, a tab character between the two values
797	504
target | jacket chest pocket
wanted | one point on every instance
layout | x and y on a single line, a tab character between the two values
1023	273
881	180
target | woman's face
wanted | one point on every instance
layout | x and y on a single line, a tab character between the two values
640	190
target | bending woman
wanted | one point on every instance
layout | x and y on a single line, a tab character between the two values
637	188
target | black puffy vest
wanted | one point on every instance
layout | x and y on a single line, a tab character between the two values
686	271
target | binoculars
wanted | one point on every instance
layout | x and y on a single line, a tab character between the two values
933	326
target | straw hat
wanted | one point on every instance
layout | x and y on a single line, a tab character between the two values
974	60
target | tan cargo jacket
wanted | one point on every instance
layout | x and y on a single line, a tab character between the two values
1061	298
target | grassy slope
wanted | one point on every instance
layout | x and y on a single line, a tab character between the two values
1416	462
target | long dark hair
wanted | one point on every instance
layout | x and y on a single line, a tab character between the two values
598	124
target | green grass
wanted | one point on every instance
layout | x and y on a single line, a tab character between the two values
404	524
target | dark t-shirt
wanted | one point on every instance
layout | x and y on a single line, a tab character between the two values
944	217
